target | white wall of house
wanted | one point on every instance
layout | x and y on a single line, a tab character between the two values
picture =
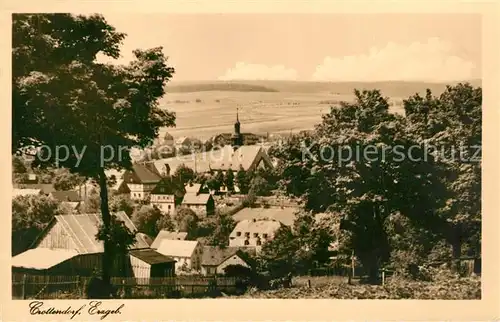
165	203
249	239
140	191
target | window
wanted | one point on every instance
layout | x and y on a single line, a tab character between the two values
255	235
238	233
169	206
247	234
247	243
265	235
259	242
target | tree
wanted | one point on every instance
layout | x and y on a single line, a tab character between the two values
165	223
242	180
451	123
63	97
325	169
186	220
229	180
92	202
64	180
278	255
184	174
18	165
224	225
122	202
30	215
260	187
145	219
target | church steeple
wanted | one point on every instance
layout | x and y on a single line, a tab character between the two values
237	138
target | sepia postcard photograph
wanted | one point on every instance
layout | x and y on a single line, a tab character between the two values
194	157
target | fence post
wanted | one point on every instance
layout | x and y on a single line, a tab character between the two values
23	290
383	276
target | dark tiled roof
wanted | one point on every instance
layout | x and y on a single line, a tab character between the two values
83	228
214	256
141	174
71	196
169	186
151	256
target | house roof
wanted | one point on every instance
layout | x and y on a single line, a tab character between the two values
151	256
46	188
177	248
26	192
196	199
82	228
214	256
70	195
165	234
146	238
193	188
285	215
42	258
223	159
257	226
71	204
141	174
167	186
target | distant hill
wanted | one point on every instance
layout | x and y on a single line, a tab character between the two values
218	86
390	88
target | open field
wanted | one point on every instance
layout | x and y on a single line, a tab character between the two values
207	108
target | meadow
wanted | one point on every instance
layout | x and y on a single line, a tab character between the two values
205	109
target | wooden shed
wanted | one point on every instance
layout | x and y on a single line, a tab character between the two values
148	263
69	246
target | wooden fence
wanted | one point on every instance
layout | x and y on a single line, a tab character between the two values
26	286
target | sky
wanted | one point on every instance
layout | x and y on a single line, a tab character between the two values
309	47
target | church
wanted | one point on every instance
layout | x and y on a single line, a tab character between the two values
233	156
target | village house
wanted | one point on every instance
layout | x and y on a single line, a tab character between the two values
141	180
147	263
285	215
170	235
202	204
186	253
216	259
46	188
164	195
69	198
253	233
67	246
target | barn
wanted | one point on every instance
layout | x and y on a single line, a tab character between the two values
67	246
148	263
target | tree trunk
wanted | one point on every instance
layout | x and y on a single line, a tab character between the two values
456	248
107	256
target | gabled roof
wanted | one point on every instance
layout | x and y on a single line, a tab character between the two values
141	174
151	256
167	186
71	196
177	248
256	226
193	188
42	258
165	234
83	228
214	256
26	192
46	188
196	199
285	215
